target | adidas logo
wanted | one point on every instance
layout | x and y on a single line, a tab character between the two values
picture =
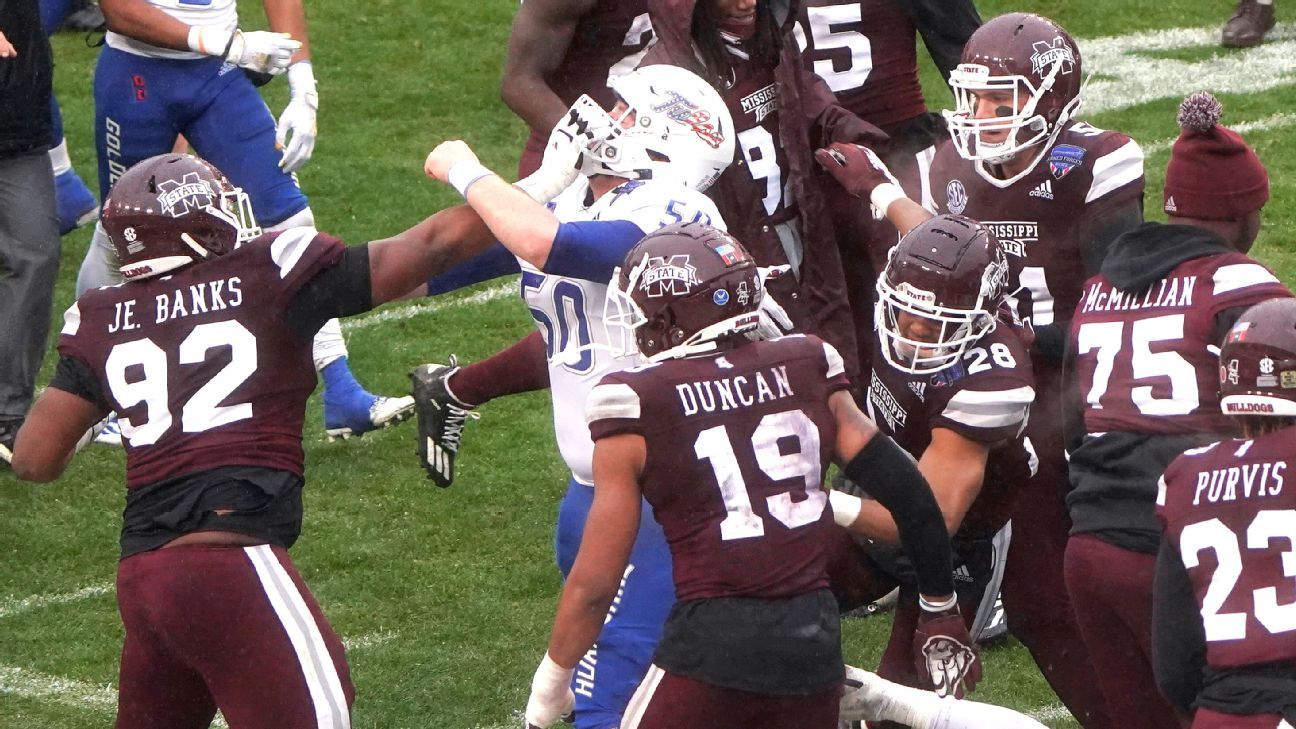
962	574
1044	190
438	458
1170	206
919	389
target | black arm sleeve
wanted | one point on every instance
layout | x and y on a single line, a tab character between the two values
339	290
889	475
1178	637
945	26
73	376
1098	232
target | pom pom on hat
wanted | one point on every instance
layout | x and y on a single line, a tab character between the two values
1213	174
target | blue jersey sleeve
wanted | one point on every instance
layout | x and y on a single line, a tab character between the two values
492	263
591	249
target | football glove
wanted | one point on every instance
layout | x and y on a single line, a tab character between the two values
257	50
584	125
943	650
298	118
551	695
774	319
861	173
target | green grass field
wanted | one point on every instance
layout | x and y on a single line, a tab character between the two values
446	597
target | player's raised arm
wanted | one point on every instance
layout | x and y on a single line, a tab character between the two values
540	37
405	261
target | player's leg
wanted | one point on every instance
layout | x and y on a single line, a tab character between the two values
668	701
1039	612
234	129
1111	590
244	619
77	206
134	120
885	701
157	688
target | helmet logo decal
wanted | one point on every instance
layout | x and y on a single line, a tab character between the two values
744	293
673	276
1266	378
1233	371
956	197
681	110
1266	366
1048	53
133	243
730	254
178	197
1288	379
916	294
720	297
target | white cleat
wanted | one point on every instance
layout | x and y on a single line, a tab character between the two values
383	413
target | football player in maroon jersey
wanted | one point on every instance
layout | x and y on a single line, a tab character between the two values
727	441
951	382
1055	192
1224	637
205	352
1145	334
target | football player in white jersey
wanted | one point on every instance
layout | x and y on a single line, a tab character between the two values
171	68
608	179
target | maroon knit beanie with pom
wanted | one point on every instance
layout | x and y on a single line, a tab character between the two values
1213	174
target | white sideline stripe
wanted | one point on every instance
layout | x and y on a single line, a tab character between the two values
18	606
1273	121
505	290
1050	713
312	654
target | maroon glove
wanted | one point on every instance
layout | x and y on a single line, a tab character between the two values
857	169
944	652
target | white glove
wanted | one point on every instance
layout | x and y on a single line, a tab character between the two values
584	125
774	319
298	118
257	50
551	695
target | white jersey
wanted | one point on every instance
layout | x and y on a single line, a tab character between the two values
569	311
222	14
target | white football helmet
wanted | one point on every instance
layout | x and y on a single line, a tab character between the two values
674	126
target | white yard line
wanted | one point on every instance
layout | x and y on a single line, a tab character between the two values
17	606
1050	713
503	290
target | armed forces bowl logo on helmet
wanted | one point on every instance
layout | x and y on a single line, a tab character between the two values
680	110
1049	52
178	197
673	276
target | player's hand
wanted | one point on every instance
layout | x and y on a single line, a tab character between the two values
6	48
262	51
446	155
774	319
857	169
551	695
944	652
298	119
582	127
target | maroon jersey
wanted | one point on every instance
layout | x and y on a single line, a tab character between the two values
1040	217
865	51
736	448
985	398
201	366
1226	511
1148	361
608	41
763	165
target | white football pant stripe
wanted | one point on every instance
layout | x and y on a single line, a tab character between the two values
321	675
642	698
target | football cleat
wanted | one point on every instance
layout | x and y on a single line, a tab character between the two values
343	420
8	434
109	432
76	204
441	420
1248	26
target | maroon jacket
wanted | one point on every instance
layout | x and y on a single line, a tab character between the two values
817	303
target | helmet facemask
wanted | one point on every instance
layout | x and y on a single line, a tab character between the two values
1027	126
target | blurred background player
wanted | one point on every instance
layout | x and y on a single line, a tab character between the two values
76	204
164	71
643	166
1224	641
1146	334
865	51
727	440
1251	20
1055	192
951	383
216	338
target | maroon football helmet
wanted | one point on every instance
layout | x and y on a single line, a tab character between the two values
950	272
172	210
1033	59
1258	361
680	290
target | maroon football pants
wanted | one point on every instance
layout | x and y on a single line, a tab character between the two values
1111	590
667	701
229	627
1034	586
1207	719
